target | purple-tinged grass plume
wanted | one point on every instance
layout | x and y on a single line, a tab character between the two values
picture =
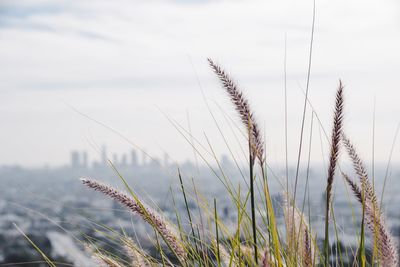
361	173
298	233
165	230
333	158
265	261
387	249
243	108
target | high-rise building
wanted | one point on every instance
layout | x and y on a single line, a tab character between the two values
144	158
134	159
84	159
104	155
123	160
115	159
75	161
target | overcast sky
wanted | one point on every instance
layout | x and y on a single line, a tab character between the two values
127	63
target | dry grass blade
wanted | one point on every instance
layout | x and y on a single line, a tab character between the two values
135	254
268	259
105	260
46	259
265	262
165	230
386	247
334	154
243	108
226	258
298	233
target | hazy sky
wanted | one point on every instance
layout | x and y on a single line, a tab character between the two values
125	63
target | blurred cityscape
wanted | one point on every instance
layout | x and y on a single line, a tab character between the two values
56	212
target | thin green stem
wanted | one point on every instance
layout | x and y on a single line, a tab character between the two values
253	212
216	232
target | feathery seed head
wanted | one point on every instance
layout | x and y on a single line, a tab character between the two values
148	215
243	108
335	140
387	249
361	172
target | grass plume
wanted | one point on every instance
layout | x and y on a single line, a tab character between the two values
333	158
298	233
387	250
243	108
383	241
361	172
163	228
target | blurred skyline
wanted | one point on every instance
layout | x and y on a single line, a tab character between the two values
126	63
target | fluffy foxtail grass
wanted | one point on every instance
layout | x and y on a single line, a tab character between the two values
105	260
266	259
299	235
308	250
136	255
224	257
333	158
243	108
365	194
101	258
387	250
361	172
219	248
156	221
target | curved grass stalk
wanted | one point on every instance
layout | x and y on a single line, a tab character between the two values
158	223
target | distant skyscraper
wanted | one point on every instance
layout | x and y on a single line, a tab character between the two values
225	162
134	160
84	159
144	158
104	155
123	160
115	159
75	159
